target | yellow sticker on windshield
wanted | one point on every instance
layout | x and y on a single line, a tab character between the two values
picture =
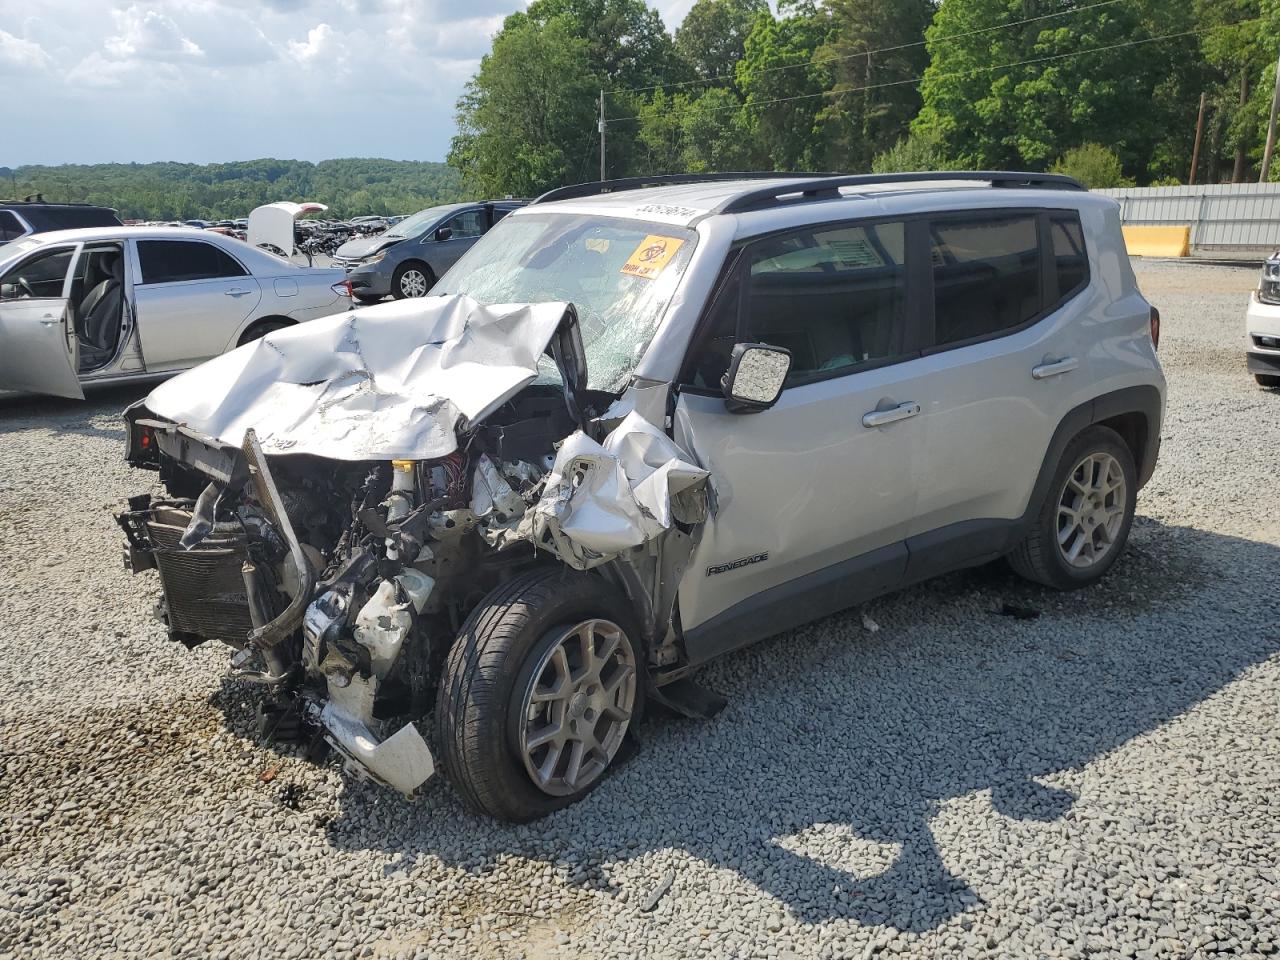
653	254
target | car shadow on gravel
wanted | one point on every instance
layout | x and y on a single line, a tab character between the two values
842	744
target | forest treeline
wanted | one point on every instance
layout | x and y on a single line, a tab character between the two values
1107	89
216	191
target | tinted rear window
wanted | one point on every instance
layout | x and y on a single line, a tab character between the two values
68	218
10	228
167	261
1070	260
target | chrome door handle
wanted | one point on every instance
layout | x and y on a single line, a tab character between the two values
1055	367
903	411
237	292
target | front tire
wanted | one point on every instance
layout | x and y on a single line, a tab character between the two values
1267	380
1084	522
412	280
538	693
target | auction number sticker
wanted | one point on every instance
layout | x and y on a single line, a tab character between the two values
653	254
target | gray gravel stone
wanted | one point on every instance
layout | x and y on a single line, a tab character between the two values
1100	781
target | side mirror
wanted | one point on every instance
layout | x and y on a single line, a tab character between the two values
444	233
755	377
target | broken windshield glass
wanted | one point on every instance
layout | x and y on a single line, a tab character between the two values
620	275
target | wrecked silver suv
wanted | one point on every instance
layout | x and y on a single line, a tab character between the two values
534	499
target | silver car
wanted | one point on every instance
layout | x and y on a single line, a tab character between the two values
110	304
638	426
407	260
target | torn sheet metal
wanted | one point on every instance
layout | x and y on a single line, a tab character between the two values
403	760
391	381
601	500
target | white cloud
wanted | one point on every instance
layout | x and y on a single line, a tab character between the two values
319	43
18	54
149	35
206	80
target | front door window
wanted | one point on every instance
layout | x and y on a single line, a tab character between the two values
42	277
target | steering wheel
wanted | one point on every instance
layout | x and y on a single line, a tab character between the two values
26	288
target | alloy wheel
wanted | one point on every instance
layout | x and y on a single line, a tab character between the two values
413	283
577	707
1091	510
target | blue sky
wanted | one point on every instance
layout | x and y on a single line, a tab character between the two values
91	81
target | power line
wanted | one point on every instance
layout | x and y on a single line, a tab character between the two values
954	73
868	53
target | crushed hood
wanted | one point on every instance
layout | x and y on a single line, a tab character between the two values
391	381
362	247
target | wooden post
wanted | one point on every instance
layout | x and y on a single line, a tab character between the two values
602	136
1195	151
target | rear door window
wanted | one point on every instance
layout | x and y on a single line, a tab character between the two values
986	276
169	261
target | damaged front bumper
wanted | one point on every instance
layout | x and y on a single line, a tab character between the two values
341	576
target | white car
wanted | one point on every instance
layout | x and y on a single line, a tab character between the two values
1262	327
111	304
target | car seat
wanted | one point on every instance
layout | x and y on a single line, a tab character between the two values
100	308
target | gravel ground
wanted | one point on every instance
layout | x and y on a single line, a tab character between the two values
1101	781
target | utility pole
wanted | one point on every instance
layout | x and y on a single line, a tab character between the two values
1271	129
1195	151
602	135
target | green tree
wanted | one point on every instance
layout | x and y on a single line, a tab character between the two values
626	42
917	151
712	38
526	120
1001	92
683	133
784	89
1240	60
1093	165
719	135
874	55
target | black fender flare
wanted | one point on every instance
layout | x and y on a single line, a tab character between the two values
1145	400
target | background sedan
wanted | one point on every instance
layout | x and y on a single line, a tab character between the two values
105	305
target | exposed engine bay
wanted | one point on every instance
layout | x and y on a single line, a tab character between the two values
341	582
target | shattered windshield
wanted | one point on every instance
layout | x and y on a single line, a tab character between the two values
618	273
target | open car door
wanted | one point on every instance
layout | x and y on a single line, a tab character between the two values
39	352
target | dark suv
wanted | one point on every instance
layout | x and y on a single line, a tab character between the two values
21	217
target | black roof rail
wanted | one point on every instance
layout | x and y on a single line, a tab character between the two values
820	187
41	202
595	187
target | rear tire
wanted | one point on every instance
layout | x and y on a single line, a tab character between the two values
1267	380
492	690
1083	524
412	279
261	329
